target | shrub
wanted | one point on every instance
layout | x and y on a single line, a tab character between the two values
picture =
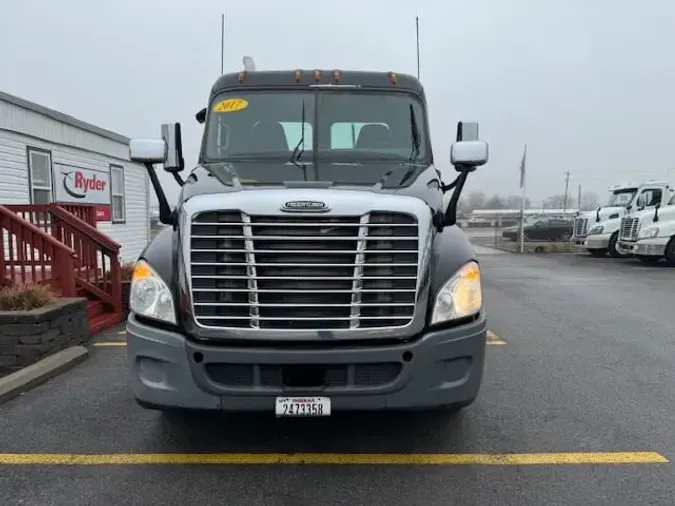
25	297
127	269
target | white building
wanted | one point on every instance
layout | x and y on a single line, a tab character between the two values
50	157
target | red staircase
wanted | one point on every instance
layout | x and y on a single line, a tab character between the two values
60	245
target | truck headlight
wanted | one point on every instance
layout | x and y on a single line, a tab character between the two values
596	230
149	295
648	233
460	296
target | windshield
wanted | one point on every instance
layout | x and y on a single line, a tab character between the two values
353	126
621	197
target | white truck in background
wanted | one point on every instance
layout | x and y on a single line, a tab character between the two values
649	235
598	231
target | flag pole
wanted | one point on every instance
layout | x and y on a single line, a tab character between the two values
522	200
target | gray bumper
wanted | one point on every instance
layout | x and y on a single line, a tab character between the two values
440	368
597	241
645	247
579	242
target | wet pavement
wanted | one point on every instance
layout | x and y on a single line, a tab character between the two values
580	366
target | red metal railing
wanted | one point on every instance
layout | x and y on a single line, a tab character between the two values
96	264
29	255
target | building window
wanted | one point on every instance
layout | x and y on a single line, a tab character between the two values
40	176
117	199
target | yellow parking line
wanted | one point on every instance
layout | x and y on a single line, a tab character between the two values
122	332
106	344
494	340
448	459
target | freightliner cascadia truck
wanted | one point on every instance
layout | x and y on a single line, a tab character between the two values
310	264
649	235
598	231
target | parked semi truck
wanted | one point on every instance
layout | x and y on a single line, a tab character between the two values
309	265
598	231
649	235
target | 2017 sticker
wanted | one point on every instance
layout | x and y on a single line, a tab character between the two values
231	105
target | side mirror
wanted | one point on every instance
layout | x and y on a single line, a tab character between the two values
174	148
469	154
147	150
201	116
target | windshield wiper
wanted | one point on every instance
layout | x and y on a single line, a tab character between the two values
415	135
298	151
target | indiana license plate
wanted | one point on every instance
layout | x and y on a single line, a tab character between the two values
302	406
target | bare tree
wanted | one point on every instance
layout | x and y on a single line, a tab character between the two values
513	202
558	201
589	201
476	200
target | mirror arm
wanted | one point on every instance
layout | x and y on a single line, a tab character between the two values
450	217
178	179
165	214
448	187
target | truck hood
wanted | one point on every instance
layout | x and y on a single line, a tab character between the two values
415	179
605	213
647	216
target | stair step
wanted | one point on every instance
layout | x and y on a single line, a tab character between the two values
95	308
104	321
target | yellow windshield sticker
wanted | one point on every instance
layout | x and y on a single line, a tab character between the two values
231	105
246	180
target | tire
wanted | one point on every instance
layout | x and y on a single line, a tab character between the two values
670	252
612	246
649	260
597	252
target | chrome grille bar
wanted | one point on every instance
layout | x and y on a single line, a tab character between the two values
251	271
357	284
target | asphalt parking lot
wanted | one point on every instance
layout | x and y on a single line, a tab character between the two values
576	408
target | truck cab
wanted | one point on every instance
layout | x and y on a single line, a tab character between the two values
309	265
649	235
598	231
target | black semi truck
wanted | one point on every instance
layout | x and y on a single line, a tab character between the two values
310	264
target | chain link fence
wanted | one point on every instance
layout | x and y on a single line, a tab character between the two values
504	234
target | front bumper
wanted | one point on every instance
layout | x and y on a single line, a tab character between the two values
442	367
600	241
645	247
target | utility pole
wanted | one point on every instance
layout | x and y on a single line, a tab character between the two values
222	44
417	34
579	198
567	183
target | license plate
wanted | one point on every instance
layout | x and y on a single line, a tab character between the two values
302	406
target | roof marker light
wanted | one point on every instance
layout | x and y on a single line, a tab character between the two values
298	75
317	75
336	76
242	76
392	78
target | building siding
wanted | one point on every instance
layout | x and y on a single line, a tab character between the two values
21	128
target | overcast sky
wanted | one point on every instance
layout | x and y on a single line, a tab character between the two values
589	85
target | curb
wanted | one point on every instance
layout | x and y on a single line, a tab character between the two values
29	377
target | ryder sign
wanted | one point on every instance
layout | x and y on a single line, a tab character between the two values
81	186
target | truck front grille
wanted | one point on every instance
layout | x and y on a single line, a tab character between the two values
580	227
629	229
303	271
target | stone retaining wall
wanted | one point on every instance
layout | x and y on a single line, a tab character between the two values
29	336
